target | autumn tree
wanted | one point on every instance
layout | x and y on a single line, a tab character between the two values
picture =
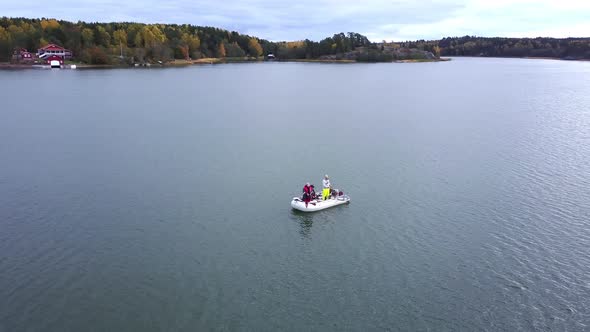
152	36
190	44
221	50
154	42
254	47
17	35
120	37
49	24
184	51
96	55
436	51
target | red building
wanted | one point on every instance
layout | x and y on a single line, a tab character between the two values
54	58
53	50
21	55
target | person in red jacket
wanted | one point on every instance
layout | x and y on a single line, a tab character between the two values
306	194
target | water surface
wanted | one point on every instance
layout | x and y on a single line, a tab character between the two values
158	200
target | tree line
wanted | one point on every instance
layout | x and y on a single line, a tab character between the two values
563	48
104	43
101	42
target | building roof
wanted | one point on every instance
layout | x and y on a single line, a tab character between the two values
52	47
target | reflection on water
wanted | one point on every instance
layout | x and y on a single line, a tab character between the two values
321	218
305	221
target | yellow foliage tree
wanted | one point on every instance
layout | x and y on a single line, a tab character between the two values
152	36
147	36
28	28
221	51
254	47
14	30
120	37
4	35
436	50
191	41
296	44
49	24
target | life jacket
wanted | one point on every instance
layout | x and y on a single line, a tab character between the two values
306	189
306	194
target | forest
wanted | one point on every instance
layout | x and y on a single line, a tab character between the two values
561	48
125	42
104	43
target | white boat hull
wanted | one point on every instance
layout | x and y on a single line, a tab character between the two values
317	205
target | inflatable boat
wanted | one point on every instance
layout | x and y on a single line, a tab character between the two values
318	204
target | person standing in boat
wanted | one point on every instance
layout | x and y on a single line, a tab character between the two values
327	186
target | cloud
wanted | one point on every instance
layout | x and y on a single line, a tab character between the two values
316	19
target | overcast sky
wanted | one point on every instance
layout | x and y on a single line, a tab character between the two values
294	20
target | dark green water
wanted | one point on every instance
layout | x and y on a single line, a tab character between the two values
158	200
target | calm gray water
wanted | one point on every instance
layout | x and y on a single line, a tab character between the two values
158	200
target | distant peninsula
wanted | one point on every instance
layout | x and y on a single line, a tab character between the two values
25	41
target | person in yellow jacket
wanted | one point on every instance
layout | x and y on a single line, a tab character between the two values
327	187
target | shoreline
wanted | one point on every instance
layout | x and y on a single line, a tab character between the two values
422	60
204	61
317	61
212	61
517	57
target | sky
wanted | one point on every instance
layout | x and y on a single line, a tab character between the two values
279	20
